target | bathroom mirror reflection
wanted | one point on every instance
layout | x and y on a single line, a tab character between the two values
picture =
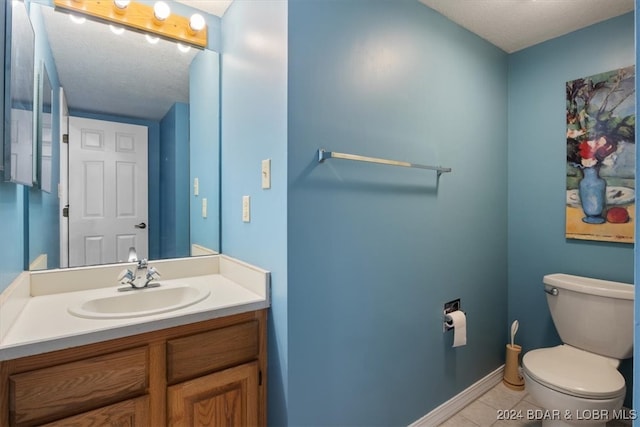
44	151
125	172
19	87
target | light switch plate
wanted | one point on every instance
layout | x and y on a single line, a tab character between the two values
246	208
196	186
266	174
204	207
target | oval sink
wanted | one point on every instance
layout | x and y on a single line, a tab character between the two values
139	303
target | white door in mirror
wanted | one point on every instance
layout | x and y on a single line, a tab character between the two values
21	145
107	191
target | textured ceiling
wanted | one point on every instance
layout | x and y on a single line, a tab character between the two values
116	74
516	24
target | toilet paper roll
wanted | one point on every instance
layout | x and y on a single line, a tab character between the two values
458	321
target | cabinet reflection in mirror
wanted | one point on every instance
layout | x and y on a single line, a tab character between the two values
141	119
19	87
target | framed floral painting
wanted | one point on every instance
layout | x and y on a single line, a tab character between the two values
601	151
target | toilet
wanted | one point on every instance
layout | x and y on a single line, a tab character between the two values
578	382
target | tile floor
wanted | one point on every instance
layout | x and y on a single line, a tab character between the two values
486	410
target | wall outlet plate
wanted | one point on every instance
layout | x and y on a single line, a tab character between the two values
266	174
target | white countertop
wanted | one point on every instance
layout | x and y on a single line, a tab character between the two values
44	324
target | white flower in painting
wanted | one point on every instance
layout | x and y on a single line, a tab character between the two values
575	133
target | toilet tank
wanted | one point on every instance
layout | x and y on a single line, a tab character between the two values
592	314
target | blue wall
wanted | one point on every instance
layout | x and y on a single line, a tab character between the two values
204	148
537	173
375	251
174	182
254	127
11	204
12	220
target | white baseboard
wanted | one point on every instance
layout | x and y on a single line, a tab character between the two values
454	405
40	263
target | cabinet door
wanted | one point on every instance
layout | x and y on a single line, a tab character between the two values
130	413
227	398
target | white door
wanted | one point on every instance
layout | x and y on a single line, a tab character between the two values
22	146
63	187
107	191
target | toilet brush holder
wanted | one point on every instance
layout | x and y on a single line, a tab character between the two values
512	377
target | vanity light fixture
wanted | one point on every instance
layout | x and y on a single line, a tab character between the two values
155	19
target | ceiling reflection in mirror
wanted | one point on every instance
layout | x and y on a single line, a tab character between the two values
111	70
119	75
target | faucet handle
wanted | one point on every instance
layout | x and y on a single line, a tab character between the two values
152	272
125	276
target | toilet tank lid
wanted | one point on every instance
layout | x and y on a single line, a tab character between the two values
588	285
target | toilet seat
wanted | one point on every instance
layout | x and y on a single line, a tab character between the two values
575	372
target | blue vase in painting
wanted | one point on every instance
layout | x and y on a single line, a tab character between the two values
592	191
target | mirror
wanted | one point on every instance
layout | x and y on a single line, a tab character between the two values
19	87
117	76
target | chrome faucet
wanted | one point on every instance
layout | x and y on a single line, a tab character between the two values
133	256
142	277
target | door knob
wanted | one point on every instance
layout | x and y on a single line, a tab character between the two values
142	225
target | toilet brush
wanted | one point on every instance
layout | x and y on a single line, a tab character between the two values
514	330
512	377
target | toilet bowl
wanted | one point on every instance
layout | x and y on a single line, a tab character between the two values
574	386
578	383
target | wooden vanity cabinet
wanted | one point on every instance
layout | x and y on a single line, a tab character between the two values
209	373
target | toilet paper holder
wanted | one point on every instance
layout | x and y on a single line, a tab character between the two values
450	307
448	322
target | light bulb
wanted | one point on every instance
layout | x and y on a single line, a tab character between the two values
151	39
161	11
121	4
196	22
183	48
